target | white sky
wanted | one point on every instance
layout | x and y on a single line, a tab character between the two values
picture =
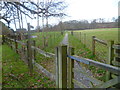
89	9
86	9
92	9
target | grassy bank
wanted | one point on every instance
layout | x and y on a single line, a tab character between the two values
16	74
52	40
85	36
83	45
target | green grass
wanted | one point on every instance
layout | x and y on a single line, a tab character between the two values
53	39
22	79
0	66
103	34
83	47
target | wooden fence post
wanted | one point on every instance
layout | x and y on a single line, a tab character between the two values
50	40
80	36
34	44
16	46
61	60
116	61
93	46
6	40
70	68
84	39
110	58
44	41
11	44
57	67
29	50
72	33
3	39
54	37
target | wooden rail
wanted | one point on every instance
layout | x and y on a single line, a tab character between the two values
97	83
91	79
116	46
41	68
94	39
65	67
113	69
100	41
46	54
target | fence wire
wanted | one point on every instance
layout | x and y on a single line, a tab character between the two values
100	49
101	52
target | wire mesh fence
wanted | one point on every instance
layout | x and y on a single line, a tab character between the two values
101	52
100	49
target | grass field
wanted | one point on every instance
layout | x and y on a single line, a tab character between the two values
0	66
83	46
52	40
103	34
12	61
16	74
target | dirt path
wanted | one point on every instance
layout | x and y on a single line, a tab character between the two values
65	39
78	76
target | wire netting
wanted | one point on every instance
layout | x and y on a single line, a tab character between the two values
100	49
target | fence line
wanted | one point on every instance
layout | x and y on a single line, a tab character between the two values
108	67
63	74
90	62
46	54
96	45
100	41
94	40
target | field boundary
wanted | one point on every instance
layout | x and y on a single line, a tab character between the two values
24	50
65	67
62	67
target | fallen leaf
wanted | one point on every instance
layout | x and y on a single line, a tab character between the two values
35	86
39	80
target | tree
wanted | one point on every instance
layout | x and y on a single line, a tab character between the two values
14	11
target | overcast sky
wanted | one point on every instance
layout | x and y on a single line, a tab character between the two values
91	9
86	9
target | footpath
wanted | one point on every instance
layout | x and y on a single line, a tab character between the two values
78	76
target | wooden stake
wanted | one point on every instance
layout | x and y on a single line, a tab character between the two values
29	51
93	46
62	65
110	58
70	68
16	46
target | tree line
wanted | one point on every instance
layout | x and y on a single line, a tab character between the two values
85	24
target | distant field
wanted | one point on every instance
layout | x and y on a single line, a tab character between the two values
106	34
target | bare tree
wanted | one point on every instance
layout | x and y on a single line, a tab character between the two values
13	11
